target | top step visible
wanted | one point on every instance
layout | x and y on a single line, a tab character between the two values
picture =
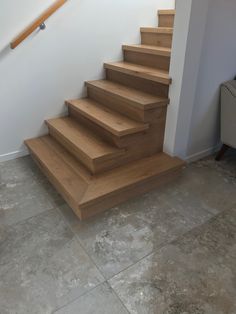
157	36
166	18
166	12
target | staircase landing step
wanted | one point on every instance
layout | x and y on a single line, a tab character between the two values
88	195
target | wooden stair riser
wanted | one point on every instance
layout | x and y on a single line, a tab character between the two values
156	39
120	142
125	106
145	85
166	20
155	61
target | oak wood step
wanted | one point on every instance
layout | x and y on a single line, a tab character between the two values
133	103
157	30
140	71
90	149
112	121
166	12
148	55
88	195
136	98
166	18
160	36
149	49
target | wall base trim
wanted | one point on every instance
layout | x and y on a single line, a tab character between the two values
14	155
203	153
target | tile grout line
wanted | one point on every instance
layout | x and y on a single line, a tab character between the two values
165	243
105	279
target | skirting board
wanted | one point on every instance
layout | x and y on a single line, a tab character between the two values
202	154
14	155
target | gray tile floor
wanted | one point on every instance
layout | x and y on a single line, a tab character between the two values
171	251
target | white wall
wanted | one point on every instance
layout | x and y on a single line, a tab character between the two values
193	129
52	65
218	64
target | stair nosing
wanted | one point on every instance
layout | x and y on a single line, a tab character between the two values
157	30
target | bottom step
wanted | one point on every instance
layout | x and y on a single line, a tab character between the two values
89	194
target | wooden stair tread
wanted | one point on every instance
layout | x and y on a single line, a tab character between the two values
60	167
112	121
140	71
131	174
83	139
154	50
166	12
140	99
158	30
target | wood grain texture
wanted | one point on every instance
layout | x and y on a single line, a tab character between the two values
88	197
91	150
160	36
33	26
130	102
147	86
140	71
112	121
166	18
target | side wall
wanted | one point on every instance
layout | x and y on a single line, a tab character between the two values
52	65
218	64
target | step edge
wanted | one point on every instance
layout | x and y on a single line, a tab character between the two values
92	160
158	78
157	30
119	134
151	50
142	106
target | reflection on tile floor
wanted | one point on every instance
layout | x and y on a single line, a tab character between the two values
171	251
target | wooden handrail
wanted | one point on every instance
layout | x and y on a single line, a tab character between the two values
37	23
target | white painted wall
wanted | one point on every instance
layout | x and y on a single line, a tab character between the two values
210	59
218	64
52	65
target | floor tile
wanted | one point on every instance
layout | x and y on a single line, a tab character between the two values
42	266
100	300
120	237
24	192
196	274
203	186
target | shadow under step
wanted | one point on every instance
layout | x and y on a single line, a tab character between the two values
88	195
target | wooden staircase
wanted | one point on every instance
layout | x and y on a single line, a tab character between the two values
109	147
